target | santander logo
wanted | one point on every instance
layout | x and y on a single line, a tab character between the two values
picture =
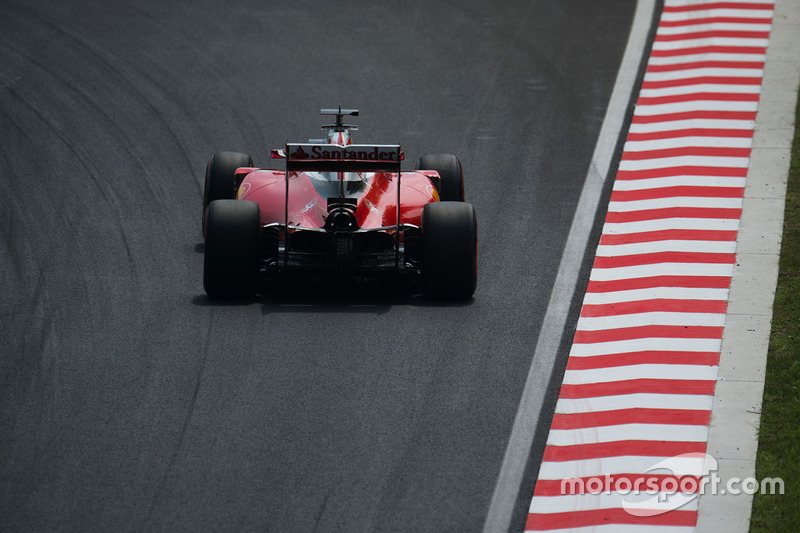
327	152
299	154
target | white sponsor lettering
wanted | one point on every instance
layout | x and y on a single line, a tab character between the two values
327	152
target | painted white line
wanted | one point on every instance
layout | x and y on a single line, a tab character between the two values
599	323
709	41
718	56
654	293
650	343
635	401
687	74
623	464
635	295
621	228
683	124
675	201
621	373
715	26
594	435
662	269
672	162
676	181
696	105
683	142
518	450
715	12
617	250
686	90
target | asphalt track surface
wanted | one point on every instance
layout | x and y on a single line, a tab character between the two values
129	401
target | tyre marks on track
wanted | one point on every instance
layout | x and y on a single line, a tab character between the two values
639	383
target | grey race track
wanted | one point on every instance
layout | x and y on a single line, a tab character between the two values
128	401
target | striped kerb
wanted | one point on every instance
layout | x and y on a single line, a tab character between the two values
639	383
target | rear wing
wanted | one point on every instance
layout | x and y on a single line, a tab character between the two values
334	158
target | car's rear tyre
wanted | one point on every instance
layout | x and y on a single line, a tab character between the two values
449	250
451	175
230	263
220	182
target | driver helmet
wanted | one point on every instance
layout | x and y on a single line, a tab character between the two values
341	138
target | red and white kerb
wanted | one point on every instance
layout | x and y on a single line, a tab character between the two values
640	378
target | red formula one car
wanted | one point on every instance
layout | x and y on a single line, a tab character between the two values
338	207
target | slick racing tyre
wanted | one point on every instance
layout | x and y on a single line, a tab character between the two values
451	175
230	263
449	250
220	183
